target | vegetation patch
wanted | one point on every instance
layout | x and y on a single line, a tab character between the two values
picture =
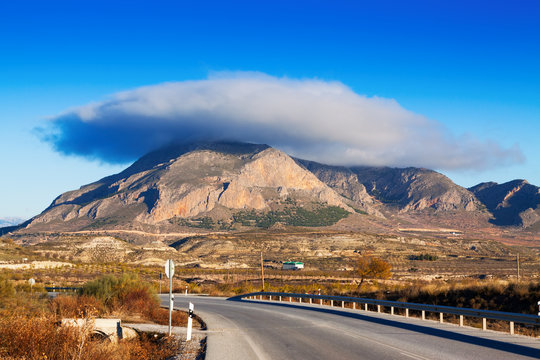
293	216
30	321
426	256
200	223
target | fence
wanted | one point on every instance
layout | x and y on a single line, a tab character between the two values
461	312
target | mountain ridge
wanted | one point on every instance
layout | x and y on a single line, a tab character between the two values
220	181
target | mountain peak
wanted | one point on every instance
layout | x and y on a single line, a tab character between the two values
204	179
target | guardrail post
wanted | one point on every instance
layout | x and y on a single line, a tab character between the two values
511	328
441	318
260	297
279	297
407	312
290	298
320	301
378	308
331	302
270	297
365	307
354	306
484	324
343	304
460	320
423	314
391	310
310	300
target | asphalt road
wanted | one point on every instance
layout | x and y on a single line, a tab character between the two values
270	330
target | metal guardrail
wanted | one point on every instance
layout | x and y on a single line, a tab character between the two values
461	312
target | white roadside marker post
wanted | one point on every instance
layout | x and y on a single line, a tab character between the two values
189	322
169	271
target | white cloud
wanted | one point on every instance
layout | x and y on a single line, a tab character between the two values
313	119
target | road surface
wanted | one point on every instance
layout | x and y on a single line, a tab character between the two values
271	330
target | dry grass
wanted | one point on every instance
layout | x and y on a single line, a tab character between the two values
30	326
23	337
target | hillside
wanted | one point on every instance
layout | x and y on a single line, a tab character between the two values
512	203
207	183
227	186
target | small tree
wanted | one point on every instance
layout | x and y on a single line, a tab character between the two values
368	267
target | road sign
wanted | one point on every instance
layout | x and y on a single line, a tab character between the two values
169	267
538	308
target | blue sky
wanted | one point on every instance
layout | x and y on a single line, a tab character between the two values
471	66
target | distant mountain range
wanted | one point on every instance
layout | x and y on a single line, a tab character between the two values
10	221
227	186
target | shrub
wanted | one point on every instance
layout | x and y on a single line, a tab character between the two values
77	306
122	293
426	256
6	288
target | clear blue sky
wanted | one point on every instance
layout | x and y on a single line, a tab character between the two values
474	66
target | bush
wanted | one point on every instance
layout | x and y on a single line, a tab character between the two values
126	292
426	256
77	306
6	288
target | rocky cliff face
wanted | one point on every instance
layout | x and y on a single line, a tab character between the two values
412	189
513	203
189	182
344	182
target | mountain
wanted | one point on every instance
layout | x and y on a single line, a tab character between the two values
204	182
344	182
406	190
512	203
10	221
230	186
413	189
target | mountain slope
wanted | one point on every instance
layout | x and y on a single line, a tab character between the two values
412	189
191	181
344	182
512	203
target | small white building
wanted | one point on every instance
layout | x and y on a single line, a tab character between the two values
293	265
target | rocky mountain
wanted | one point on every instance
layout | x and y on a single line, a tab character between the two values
205	181
412	189
228	185
344	182
512	203
405	190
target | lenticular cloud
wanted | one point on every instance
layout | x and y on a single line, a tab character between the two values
317	120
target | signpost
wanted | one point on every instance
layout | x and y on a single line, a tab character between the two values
169	271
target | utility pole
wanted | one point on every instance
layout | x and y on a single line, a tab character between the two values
262	271
517	267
